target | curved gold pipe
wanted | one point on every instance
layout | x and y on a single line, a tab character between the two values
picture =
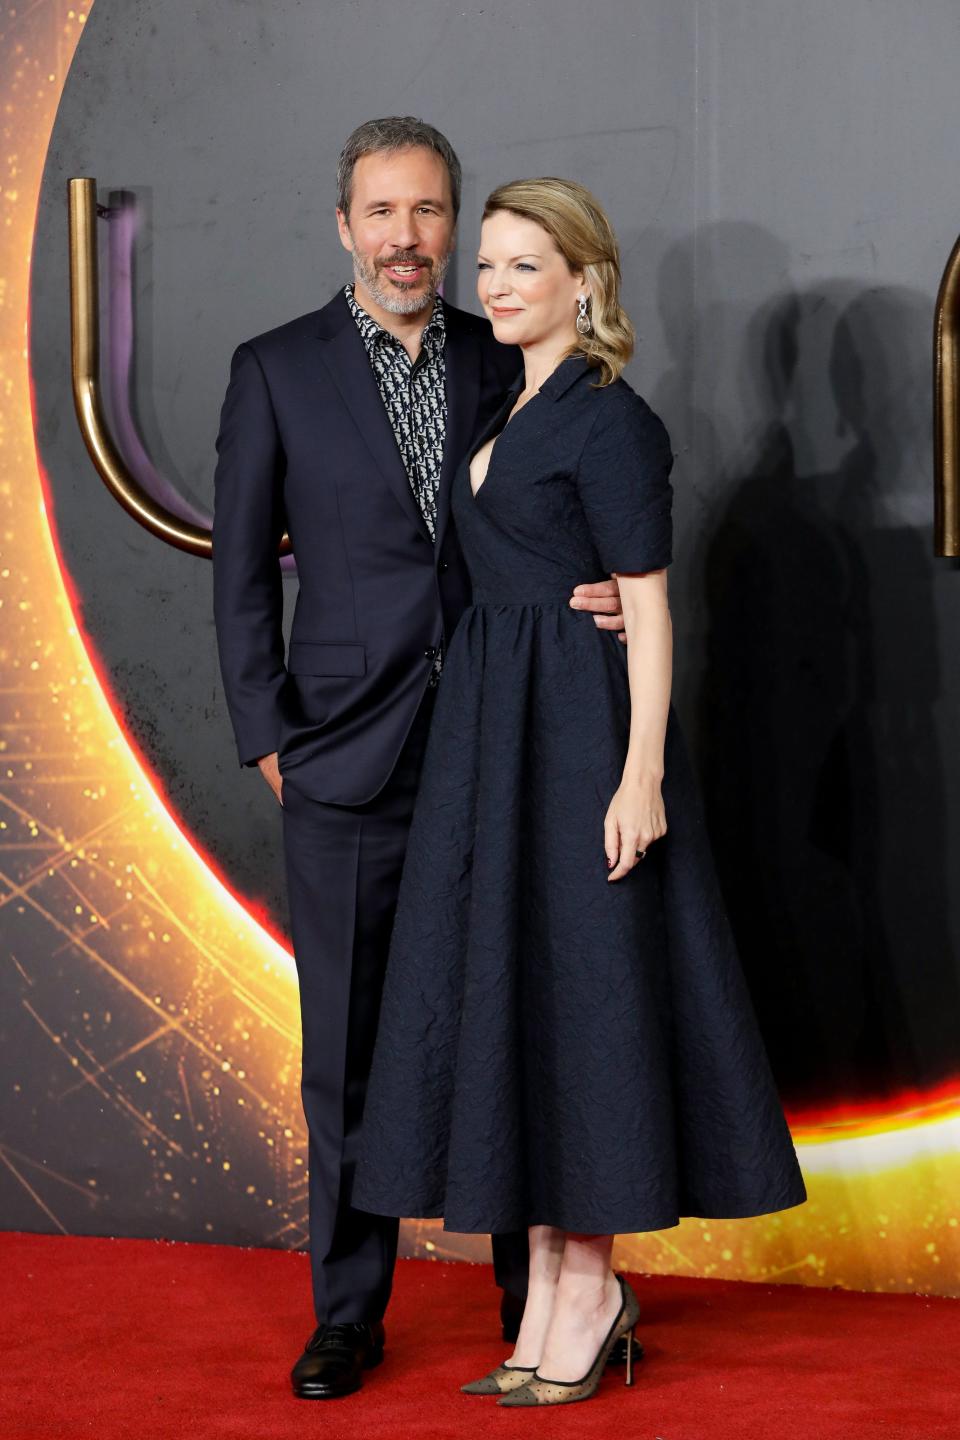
946	411
85	371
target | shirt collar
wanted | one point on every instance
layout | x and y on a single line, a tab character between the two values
432	335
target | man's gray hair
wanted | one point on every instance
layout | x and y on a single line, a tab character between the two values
386	136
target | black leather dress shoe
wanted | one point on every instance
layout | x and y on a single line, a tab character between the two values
335	1358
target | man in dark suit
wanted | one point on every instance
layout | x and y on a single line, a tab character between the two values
344	427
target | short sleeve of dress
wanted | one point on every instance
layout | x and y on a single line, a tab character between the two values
624	487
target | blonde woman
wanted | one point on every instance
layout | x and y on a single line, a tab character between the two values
566	1042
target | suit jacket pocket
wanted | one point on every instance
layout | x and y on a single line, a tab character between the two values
310	657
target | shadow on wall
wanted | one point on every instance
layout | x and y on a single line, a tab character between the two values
815	708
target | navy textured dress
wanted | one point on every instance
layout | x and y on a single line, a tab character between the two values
554	1048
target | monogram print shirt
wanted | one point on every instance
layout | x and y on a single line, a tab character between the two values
415	398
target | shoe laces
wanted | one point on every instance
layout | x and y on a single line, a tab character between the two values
337	1337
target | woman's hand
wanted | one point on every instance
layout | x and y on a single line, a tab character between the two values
635	819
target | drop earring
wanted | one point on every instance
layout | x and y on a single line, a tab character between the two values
583	319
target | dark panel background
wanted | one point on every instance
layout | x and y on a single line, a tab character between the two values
783	227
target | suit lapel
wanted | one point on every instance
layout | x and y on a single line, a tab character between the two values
345	357
347	363
461	364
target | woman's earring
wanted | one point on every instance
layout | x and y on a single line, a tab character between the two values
583	319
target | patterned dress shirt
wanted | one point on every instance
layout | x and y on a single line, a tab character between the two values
414	395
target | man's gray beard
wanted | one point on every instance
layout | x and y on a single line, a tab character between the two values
398	302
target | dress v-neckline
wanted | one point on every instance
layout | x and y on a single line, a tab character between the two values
477	448
473	457
547	387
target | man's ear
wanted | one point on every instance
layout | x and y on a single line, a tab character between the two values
343	226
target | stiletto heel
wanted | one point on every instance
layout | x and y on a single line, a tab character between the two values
541	1391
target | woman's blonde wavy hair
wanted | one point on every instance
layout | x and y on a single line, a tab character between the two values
575	221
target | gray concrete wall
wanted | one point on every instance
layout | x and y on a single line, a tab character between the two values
819	654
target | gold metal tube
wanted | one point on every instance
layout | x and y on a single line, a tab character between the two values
946	411
85	370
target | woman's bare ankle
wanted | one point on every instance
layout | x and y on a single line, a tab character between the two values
537	1313
589	1295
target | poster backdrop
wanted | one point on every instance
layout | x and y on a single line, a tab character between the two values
783	224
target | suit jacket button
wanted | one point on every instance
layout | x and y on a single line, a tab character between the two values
444	565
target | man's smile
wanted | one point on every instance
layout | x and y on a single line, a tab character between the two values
405	271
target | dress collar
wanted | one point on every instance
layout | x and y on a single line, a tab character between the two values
558	382
569	371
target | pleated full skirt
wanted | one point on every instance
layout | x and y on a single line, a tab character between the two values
554	1048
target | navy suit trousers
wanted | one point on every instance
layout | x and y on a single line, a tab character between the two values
343	867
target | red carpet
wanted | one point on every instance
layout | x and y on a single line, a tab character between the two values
138	1338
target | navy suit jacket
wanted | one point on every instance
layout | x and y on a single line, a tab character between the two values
305	444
